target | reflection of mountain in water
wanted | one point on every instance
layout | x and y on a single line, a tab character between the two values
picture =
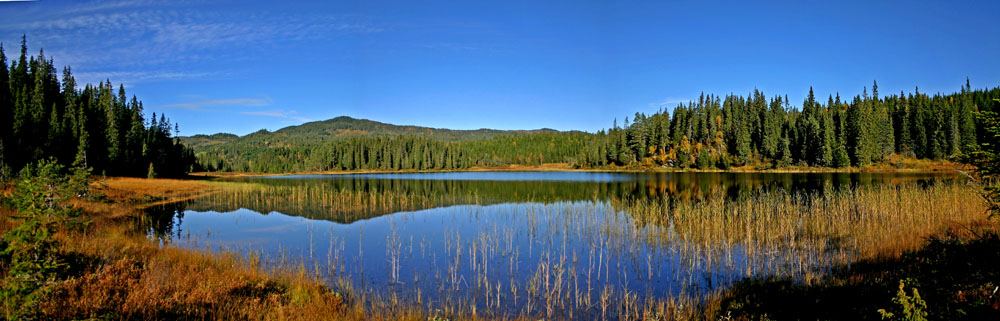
348	198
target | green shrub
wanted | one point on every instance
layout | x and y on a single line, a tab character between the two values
910	308
29	250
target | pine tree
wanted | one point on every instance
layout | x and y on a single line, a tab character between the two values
107	105
786	151
771	141
6	110
828	140
21	122
918	131
883	138
901	127
967	122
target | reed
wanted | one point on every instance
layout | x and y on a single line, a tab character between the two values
619	258
116	272
699	246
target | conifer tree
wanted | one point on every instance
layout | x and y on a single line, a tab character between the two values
6	110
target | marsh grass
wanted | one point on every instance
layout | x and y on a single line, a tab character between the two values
867	222
596	259
630	259
954	270
116	272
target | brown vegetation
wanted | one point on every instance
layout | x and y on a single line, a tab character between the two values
117	272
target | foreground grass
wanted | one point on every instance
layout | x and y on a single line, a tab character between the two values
117	272
955	273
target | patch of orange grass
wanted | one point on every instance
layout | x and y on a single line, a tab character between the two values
146	190
117	272
130	277
120	197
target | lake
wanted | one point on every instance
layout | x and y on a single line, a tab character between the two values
557	244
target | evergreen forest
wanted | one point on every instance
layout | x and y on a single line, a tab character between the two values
713	132
43	116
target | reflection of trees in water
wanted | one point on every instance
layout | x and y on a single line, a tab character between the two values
346	199
163	222
707	230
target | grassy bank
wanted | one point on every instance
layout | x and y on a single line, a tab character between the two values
951	276
934	239
114	271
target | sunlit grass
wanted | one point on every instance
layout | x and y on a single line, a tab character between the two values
119	272
763	233
116	272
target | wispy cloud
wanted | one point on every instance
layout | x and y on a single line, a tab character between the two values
456	46
668	102
170	37
230	102
134	77
112	5
241	105
289	115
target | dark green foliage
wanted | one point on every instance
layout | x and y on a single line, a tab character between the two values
986	157
840	157
710	132
29	251
704	160
41	117
411	152
753	130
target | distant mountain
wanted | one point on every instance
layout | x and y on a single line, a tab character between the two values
339	128
207	140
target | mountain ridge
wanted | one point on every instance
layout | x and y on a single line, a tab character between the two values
344	127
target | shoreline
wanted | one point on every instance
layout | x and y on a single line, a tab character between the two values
351	304
127	267
923	167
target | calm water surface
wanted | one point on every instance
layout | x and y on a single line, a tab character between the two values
506	241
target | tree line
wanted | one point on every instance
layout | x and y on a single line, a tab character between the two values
402	152
717	132
43	117
712	132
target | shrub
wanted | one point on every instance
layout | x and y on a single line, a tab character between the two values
29	250
911	308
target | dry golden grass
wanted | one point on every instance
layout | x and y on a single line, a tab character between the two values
130	277
148	192
869	222
117	272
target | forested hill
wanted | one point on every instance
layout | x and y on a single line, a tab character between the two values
711	132
312	147
343	127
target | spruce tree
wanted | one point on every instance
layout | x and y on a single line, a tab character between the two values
6	110
966	119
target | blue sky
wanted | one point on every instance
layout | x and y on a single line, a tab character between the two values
239	66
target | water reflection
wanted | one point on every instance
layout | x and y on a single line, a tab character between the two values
347	198
553	244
